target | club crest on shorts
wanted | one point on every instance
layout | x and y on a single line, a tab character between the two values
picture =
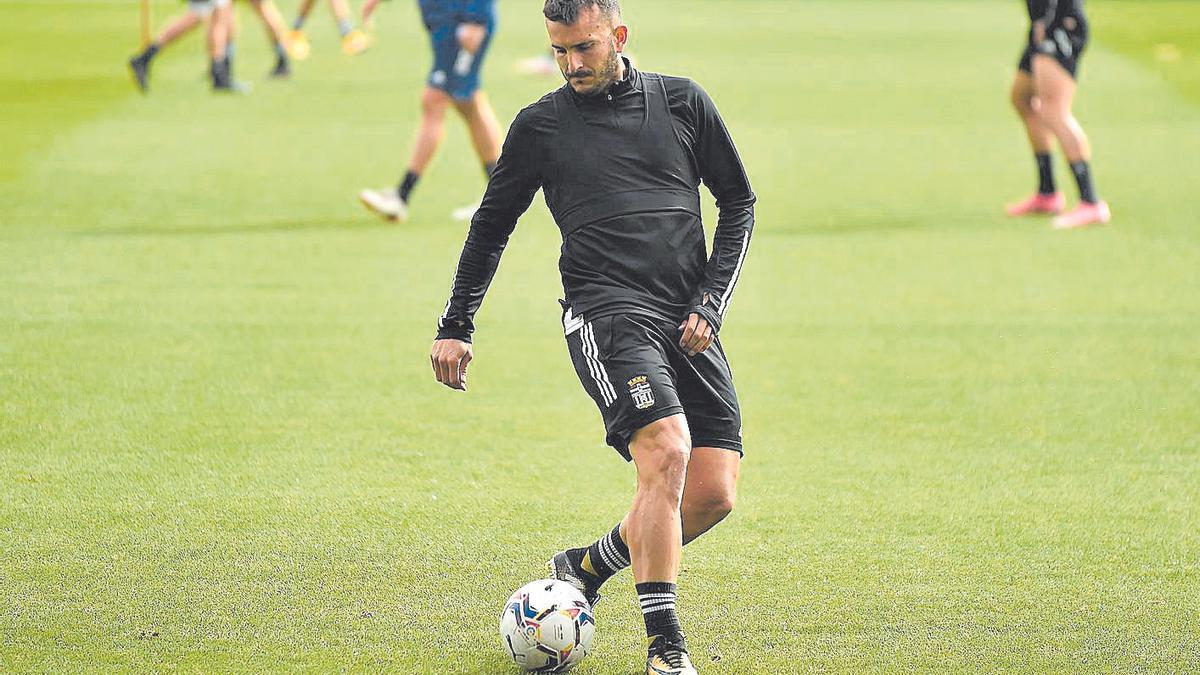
643	395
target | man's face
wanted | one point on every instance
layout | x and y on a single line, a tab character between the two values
588	50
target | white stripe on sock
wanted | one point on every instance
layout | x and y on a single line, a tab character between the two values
623	559
611	555
650	609
604	557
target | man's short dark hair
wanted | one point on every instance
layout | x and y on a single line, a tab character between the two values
567	11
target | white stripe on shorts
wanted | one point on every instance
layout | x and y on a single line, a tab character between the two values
588	339
585	348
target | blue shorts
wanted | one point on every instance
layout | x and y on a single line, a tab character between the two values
455	70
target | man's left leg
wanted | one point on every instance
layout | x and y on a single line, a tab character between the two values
219	28
710	490
481	120
485	131
709	493
272	22
354	40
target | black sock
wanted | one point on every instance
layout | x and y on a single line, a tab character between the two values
299	23
407	185
1083	177
489	168
1045	173
220	72
281	51
605	557
657	599
150	52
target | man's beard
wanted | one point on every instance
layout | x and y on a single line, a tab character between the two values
604	78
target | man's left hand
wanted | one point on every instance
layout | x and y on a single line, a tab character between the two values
697	336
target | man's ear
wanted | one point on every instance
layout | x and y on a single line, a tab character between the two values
622	34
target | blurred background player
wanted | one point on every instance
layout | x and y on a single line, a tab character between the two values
220	15
460	32
1042	92
273	23
354	41
543	64
368	9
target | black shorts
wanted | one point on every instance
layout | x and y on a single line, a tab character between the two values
1063	45
632	367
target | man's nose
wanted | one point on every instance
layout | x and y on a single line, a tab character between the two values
574	63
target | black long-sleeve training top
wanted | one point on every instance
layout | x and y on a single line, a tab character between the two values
621	175
1054	13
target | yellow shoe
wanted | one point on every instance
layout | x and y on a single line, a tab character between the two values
668	659
355	42
297	45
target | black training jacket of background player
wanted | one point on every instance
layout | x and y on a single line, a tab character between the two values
621	173
1054	14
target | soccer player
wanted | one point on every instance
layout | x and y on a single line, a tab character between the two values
354	41
1042	93
619	155
460	32
220	14
272	21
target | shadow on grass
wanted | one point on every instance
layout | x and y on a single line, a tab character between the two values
192	230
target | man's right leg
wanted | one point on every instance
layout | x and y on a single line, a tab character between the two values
434	104
393	203
220	27
653	529
654	525
1047	199
1056	91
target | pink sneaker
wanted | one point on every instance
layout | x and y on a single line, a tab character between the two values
1038	204
1083	215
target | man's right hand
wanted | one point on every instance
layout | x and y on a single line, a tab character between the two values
450	358
471	36
1039	32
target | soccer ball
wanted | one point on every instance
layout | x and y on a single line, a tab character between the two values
547	626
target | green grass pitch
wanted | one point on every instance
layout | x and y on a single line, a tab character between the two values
973	443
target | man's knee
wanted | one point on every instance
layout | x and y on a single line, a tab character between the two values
1052	114
434	103
716	500
468	107
1023	102
661	451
